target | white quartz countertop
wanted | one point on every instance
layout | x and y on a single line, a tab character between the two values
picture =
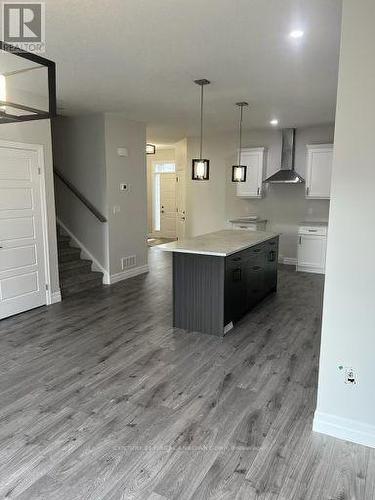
220	243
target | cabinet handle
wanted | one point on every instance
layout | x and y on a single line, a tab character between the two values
272	256
256	268
313	230
300	240
258	191
257	250
307	191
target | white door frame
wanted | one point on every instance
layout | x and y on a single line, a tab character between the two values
39	149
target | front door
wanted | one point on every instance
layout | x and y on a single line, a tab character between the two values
22	260
168	205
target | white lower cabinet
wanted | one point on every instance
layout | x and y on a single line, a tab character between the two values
312	246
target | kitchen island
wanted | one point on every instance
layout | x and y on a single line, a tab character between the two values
219	277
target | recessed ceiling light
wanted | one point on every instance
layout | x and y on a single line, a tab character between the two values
274	122
296	34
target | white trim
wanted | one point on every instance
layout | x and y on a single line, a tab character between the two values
344	428
289	261
39	150
310	269
87	254
129	273
55	297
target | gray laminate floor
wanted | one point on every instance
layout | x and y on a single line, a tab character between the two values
101	399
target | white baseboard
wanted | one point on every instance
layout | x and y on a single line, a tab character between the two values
289	261
55	297
309	269
129	273
344	428
87	254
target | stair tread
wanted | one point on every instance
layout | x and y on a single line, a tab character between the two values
69	250
75	274
73	264
81	278
63	237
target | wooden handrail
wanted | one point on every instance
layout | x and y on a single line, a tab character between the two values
79	195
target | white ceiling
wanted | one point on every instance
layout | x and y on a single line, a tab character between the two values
140	57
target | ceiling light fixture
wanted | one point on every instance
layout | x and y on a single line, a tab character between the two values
296	34
150	149
239	171
201	166
274	122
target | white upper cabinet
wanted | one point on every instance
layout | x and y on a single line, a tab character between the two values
254	159
319	171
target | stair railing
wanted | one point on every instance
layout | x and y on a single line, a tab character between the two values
79	195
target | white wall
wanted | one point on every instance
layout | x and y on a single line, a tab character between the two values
39	132
283	205
348	333
128	228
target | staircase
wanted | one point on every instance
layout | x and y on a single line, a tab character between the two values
75	273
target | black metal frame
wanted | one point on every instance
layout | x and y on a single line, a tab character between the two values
196	160
244	168
37	114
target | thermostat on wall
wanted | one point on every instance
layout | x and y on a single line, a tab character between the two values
122	152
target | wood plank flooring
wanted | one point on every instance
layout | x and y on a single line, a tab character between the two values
101	399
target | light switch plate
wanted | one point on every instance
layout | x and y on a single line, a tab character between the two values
122	152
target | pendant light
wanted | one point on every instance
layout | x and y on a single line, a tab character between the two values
239	171
201	166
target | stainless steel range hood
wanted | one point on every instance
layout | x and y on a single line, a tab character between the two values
287	174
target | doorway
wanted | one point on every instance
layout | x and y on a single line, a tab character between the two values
164	200
23	235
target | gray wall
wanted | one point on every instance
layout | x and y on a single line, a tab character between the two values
348	333
79	153
284	206
128	228
86	153
39	132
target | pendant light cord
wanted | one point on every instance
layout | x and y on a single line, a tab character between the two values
201	142
240	138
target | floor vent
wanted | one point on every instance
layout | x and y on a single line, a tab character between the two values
127	262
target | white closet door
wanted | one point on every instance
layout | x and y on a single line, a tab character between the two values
22	261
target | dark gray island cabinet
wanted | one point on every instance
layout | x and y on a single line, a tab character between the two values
219	277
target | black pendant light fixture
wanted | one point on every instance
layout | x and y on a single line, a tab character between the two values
201	166
239	171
